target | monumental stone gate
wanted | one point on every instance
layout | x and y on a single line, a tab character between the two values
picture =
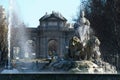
51	36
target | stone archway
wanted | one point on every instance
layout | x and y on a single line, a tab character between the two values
52	47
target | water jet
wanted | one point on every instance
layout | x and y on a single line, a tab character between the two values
9	69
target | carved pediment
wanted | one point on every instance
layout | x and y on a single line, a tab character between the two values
52	18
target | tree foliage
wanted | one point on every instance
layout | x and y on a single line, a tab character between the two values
3	35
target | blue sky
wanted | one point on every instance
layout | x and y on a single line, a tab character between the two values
30	11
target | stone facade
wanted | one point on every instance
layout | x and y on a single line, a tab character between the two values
51	36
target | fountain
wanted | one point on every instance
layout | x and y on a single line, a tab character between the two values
83	55
9	69
21	61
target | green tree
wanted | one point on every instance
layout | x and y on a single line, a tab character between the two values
3	35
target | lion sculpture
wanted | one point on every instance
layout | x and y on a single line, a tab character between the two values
88	52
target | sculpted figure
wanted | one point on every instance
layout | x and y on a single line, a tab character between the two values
83	20
92	48
96	49
75	48
82	28
84	45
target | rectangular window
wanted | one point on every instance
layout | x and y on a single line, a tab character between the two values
43	24
51	23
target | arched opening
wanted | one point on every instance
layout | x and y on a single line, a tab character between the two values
52	48
30	49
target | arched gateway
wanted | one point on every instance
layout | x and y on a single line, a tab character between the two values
52	34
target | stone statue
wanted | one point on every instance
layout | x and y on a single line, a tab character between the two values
96	49
88	52
91	49
75	48
84	45
83	52
82	28
83	20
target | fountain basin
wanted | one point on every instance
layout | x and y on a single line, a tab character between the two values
10	71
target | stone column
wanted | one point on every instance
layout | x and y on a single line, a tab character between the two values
61	46
37	42
46	47
42	47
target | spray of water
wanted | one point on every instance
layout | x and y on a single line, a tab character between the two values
84	33
9	33
19	38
